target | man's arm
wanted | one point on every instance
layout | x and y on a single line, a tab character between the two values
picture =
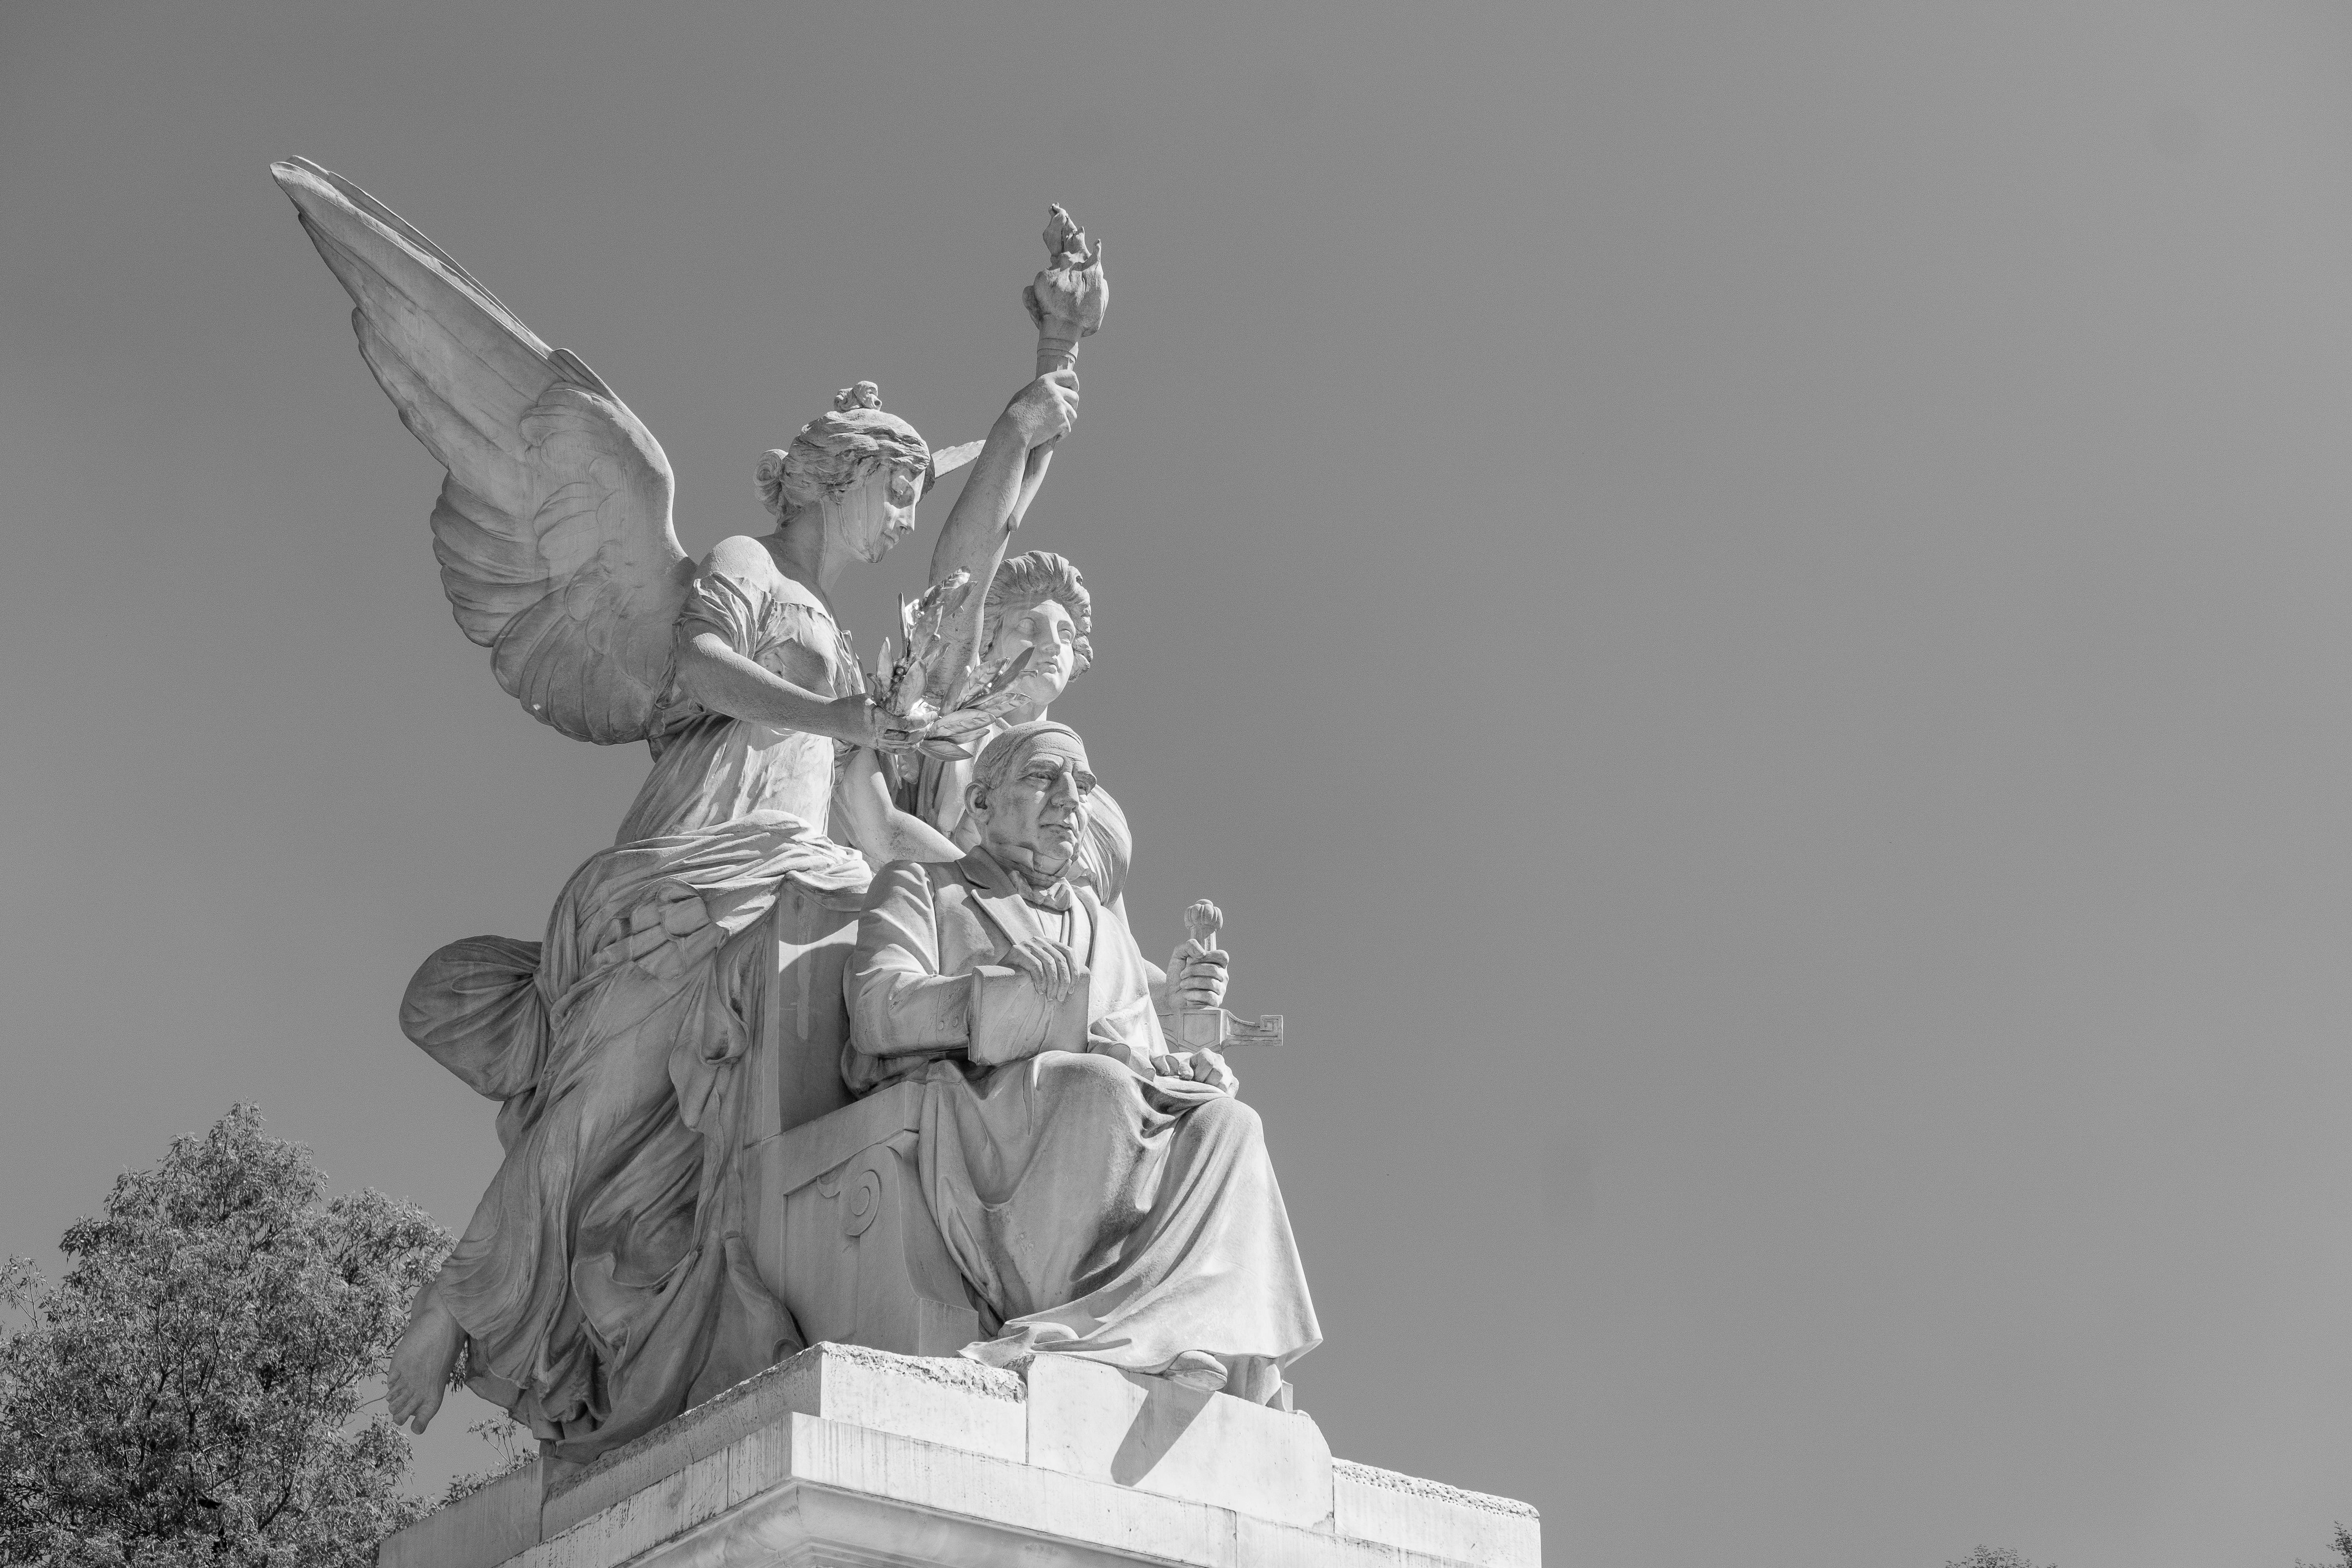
899	1000
1194	978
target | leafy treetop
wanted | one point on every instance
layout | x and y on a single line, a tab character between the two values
190	1392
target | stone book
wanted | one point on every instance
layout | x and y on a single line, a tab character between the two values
1012	1018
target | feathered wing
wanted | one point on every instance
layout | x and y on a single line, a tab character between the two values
553	528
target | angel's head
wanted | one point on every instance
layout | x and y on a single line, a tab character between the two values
862	468
1039	602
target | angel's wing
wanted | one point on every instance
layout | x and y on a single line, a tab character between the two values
553	528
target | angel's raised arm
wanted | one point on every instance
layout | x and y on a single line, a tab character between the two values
1067	301
1004	477
553	527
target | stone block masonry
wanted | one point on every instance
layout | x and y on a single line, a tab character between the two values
848	1457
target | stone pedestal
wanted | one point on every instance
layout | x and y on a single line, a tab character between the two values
844	1456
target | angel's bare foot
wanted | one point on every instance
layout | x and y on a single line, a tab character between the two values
423	1360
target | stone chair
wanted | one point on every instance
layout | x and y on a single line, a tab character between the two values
840	1227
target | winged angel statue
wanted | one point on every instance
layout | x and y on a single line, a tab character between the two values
604	1284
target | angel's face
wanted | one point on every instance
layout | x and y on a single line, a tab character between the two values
876	513
1050	637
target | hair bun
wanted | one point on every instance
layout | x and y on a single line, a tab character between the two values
834	449
772	481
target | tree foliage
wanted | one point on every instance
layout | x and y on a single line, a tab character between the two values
2343	1544
190	1391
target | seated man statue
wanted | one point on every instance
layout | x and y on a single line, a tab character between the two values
1104	1196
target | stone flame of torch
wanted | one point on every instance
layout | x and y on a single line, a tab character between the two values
1067	299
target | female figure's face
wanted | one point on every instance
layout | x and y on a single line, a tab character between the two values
1047	630
876	513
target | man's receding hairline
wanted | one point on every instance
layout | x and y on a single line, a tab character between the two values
997	759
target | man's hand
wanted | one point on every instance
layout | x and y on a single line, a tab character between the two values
1196	976
1048	965
1046	409
1197	1067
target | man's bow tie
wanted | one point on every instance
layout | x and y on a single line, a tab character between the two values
994	875
1057	896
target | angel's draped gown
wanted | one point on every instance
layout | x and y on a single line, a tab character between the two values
605	1283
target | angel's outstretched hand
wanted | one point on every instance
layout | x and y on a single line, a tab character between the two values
862	721
934	739
1047	408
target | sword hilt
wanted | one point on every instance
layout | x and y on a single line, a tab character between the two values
1213	1028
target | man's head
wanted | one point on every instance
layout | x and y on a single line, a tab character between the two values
1028	796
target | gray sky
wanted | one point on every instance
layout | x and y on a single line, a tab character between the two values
1742	606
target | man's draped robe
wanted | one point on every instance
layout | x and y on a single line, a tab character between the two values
1097	1210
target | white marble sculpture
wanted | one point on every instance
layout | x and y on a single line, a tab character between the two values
1039	616
608	1281
599	1288
1105	1193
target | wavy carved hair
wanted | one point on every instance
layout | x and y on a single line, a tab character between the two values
836	450
1032	579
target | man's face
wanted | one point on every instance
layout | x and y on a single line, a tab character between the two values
1035	817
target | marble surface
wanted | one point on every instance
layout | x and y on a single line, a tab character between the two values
1105	1193
854	1457
988	1132
626	1045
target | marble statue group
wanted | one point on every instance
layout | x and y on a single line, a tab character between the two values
845	1035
